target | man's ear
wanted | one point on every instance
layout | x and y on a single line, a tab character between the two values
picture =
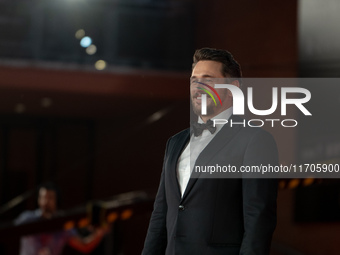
236	83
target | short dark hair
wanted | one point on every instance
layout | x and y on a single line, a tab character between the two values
52	187
48	186
229	65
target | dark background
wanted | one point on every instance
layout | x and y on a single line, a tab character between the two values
99	133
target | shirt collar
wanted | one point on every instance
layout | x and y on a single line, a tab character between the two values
223	115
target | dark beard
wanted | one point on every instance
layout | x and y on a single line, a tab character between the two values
197	111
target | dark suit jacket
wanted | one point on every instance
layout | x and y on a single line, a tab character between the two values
226	216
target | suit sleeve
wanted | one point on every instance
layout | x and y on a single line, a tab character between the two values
259	197
156	238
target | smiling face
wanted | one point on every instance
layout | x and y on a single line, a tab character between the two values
208	69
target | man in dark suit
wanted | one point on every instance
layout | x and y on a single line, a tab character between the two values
197	213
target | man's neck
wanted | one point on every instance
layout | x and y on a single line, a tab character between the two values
205	118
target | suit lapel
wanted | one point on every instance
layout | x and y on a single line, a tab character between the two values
221	139
175	153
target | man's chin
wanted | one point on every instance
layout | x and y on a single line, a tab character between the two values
197	110
197	106
210	112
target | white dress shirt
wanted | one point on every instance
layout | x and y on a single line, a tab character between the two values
193	149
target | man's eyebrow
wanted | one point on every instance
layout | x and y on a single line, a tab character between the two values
204	76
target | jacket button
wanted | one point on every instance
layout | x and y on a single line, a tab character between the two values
181	207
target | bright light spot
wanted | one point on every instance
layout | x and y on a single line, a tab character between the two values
80	34
92	49
85	42
308	181
100	65
46	102
19	108
158	115
293	183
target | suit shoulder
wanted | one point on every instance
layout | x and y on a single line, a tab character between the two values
27	216
178	138
249	135
254	131
257	134
180	134
251	131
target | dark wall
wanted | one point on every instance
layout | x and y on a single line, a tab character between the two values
262	34
98	138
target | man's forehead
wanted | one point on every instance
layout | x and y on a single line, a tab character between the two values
44	191
207	68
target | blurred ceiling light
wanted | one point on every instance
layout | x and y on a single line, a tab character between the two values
92	49
19	108
85	42
46	102
80	34
100	65
293	183
157	115
282	184
308	181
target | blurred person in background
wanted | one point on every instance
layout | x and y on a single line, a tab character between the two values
53	243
